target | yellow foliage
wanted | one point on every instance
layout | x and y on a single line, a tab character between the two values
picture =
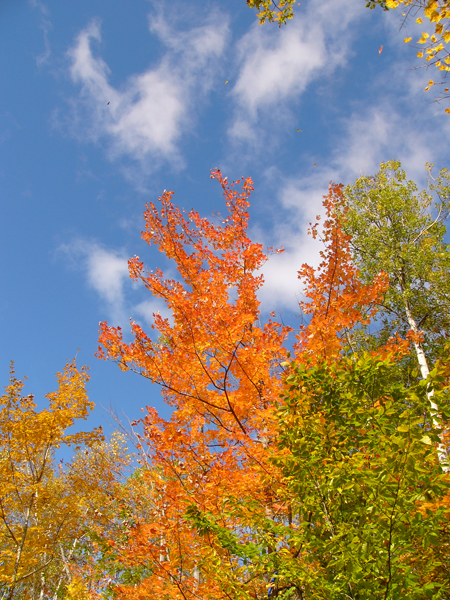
437	14
274	12
77	590
41	511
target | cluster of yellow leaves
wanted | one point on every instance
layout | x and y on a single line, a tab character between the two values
274	12
77	590
34	507
437	13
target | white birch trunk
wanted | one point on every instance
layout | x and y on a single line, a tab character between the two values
425	371
196	575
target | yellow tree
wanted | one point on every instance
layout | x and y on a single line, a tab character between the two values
39	513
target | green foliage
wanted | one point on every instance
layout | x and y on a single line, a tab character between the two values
398	229
358	456
207	524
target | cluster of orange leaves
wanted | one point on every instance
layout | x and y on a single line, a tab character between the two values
220	371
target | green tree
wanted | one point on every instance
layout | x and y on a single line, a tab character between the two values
360	460
399	230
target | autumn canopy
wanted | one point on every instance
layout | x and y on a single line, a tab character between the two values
301	462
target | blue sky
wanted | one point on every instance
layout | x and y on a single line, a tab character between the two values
105	104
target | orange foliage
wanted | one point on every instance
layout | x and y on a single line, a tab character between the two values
219	370
338	299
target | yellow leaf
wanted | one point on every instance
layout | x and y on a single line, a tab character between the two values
419	20
435	17
426	440
420	54
403	428
447	110
407	40
446	37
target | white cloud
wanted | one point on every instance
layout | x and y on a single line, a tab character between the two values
381	133
147	116
273	68
300	200
148	308
106	273
370	135
276	66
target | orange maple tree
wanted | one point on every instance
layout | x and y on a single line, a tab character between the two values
220	371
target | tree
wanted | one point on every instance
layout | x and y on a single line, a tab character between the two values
96	476
357	449
357	452
49	512
393	231
357	445
219	371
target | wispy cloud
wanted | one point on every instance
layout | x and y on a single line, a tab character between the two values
46	27
148	115
106	272
276	67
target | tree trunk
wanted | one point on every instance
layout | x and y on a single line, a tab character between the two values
425	371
